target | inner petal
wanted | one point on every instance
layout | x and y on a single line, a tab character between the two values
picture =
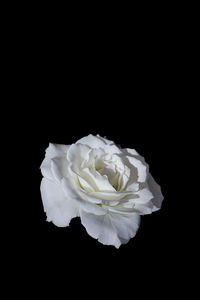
100	182
112	174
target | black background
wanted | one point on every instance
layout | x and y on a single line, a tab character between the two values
129	95
134	115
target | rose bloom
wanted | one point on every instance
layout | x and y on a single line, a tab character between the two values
109	188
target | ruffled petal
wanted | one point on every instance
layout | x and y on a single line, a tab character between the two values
99	142
146	200
157	194
56	150
59	209
126	226
93	199
46	168
77	153
53	150
140	202
128	151
100	182
141	168
71	193
85	185
59	168
94	141
110	195
111	229
133	187
143	196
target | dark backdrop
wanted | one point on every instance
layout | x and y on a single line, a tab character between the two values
132	103
126	78
134	116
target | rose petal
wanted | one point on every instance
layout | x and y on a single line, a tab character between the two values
89	198
143	196
59	168
123	171
71	193
46	168
77	153
85	185
111	229
130	151
140	202
156	190
125	225
56	150
59	209
99	142
141	168
105	198
93	141
53	150
110	195
83	177
144	209
93	156
133	187
101	182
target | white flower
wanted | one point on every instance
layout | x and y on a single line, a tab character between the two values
106	186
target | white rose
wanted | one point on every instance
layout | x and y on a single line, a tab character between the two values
106	186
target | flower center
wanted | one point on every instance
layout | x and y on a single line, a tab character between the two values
110	170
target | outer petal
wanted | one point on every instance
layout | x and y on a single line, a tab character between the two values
59	209
156	191
77	153
143	196
141	168
128	151
53	150
133	152
111	229
99	142
146	200
94	141
59	168
56	150
46	168
140	202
